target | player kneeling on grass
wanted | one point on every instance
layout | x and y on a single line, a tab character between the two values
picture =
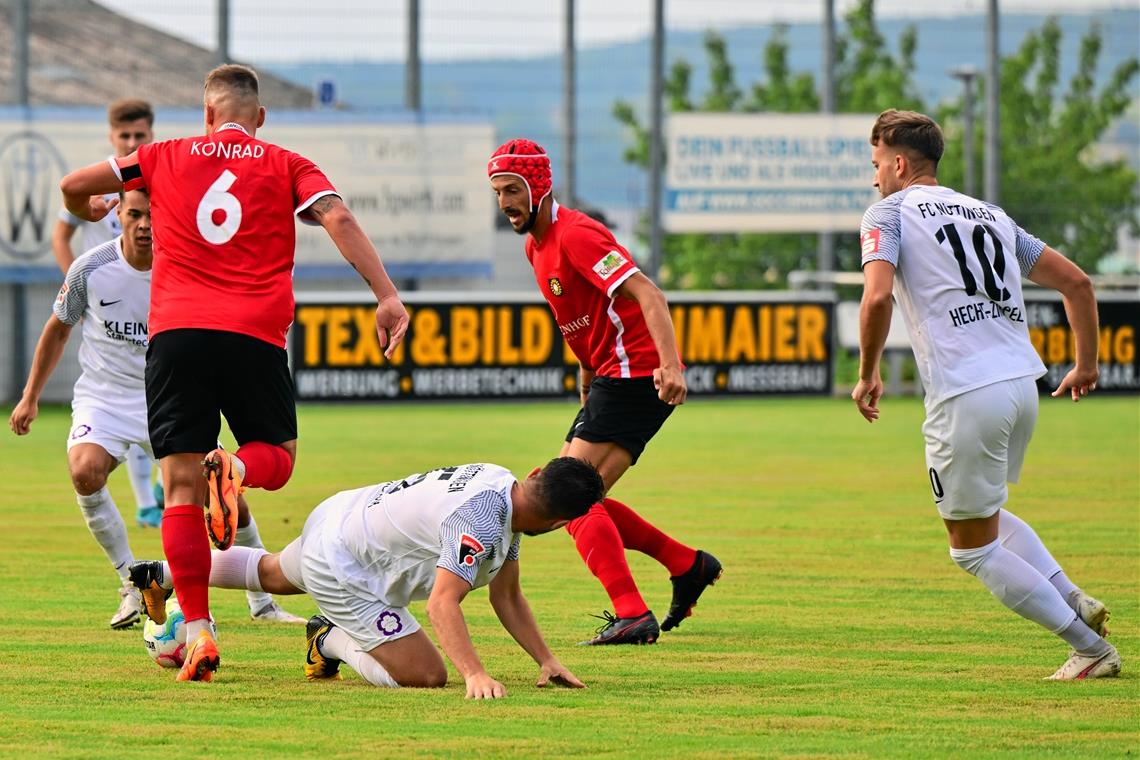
365	554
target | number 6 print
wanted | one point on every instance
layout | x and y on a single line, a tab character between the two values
219	212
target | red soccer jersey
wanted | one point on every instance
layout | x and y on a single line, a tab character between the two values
224	237
579	266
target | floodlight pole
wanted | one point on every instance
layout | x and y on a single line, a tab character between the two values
826	260
656	147
967	74
993	122
569	112
222	48
412	88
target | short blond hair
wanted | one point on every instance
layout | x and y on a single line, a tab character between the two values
910	129
235	78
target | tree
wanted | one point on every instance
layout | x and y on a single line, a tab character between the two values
868	78
1052	183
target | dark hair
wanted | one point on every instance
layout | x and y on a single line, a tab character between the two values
123	192
129	109
909	129
567	487
240	80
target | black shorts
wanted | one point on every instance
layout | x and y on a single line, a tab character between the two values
625	411
192	375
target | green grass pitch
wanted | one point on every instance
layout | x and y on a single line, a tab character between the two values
840	628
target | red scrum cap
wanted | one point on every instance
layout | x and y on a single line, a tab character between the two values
526	160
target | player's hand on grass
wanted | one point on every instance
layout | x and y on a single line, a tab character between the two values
670	384
482	686
391	323
554	673
1078	382
866	396
22	416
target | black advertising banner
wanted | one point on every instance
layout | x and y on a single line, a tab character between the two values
507	346
1051	335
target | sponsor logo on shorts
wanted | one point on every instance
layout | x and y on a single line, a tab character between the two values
869	242
609	264
79	431
469	550
555	286
389	623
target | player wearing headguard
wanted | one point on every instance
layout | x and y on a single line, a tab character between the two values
364	554
222	300
631	378
955	264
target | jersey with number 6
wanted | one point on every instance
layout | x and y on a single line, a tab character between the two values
958	267
224	237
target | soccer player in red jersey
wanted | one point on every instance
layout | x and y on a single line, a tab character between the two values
221	303
618	325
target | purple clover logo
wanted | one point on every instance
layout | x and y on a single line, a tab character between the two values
389	623
80	431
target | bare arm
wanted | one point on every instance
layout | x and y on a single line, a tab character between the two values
1053	270
874	324
48	351
357	250
515	614
83	191
61	235
668	377
451	630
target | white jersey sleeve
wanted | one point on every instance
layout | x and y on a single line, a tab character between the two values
468	535
880	234
71	301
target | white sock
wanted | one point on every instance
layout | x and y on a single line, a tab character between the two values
194	627
236	568
106	525
139	466
1016	584
249	536
1083	639
340	646
1016	535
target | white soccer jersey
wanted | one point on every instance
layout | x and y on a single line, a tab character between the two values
95	233
112	298
387	540
958	267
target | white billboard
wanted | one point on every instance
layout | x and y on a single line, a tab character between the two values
419	189
731	172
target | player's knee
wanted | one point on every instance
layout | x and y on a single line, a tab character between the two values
431	678
87	476
971	560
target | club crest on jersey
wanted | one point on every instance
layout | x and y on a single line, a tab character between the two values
869	242
555	286
469	549
609	264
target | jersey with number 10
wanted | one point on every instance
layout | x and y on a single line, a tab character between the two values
958	267
224	237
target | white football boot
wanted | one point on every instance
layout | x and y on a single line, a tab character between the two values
273	613
1079	667
130	607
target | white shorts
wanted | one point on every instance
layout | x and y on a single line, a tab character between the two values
114	429
368	620
975	444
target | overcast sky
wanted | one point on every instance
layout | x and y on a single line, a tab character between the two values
294	30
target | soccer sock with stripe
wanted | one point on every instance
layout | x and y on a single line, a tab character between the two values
249	537
187	550
107	527
339	645
598	542
266	466
1016	535
640	535
1020	587
139	466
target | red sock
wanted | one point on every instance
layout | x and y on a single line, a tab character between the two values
266	466
187	550
599	543
640	535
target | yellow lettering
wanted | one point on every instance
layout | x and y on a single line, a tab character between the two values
812	324
464	335
508	351
1124	346
488	335
536	337
338	335
428	346
568	355
785	333
741	339
764	330
1037	338
311	318
368	343
705	341
1056	345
